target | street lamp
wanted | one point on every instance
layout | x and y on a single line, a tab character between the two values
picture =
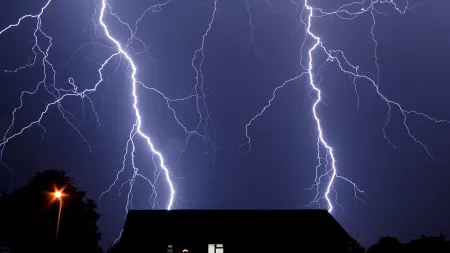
58	195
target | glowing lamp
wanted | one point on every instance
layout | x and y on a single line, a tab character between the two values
58	194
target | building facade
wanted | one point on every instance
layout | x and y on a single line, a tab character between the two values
232	231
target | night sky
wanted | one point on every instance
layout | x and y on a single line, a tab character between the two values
407	190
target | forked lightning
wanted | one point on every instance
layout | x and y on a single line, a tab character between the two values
326	169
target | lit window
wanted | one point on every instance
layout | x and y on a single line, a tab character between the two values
211	248
169	246
215	248
219	248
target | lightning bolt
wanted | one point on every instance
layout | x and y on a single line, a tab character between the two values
202	109
320	138
58	94
252	27
122	51
137	127
326	171
204	120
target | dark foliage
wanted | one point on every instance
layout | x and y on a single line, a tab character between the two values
428	245
386	245
355	247
28	217
422	245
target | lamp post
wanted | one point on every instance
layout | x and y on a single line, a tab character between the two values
58	195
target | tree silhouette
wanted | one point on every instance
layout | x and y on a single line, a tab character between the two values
428	245
425	244
386	245
28	217
355	247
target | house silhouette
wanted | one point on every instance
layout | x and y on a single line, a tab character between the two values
243	231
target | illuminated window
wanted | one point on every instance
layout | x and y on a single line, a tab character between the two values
169	248
211	248
215	248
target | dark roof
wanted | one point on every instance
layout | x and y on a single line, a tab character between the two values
141	217
144	227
